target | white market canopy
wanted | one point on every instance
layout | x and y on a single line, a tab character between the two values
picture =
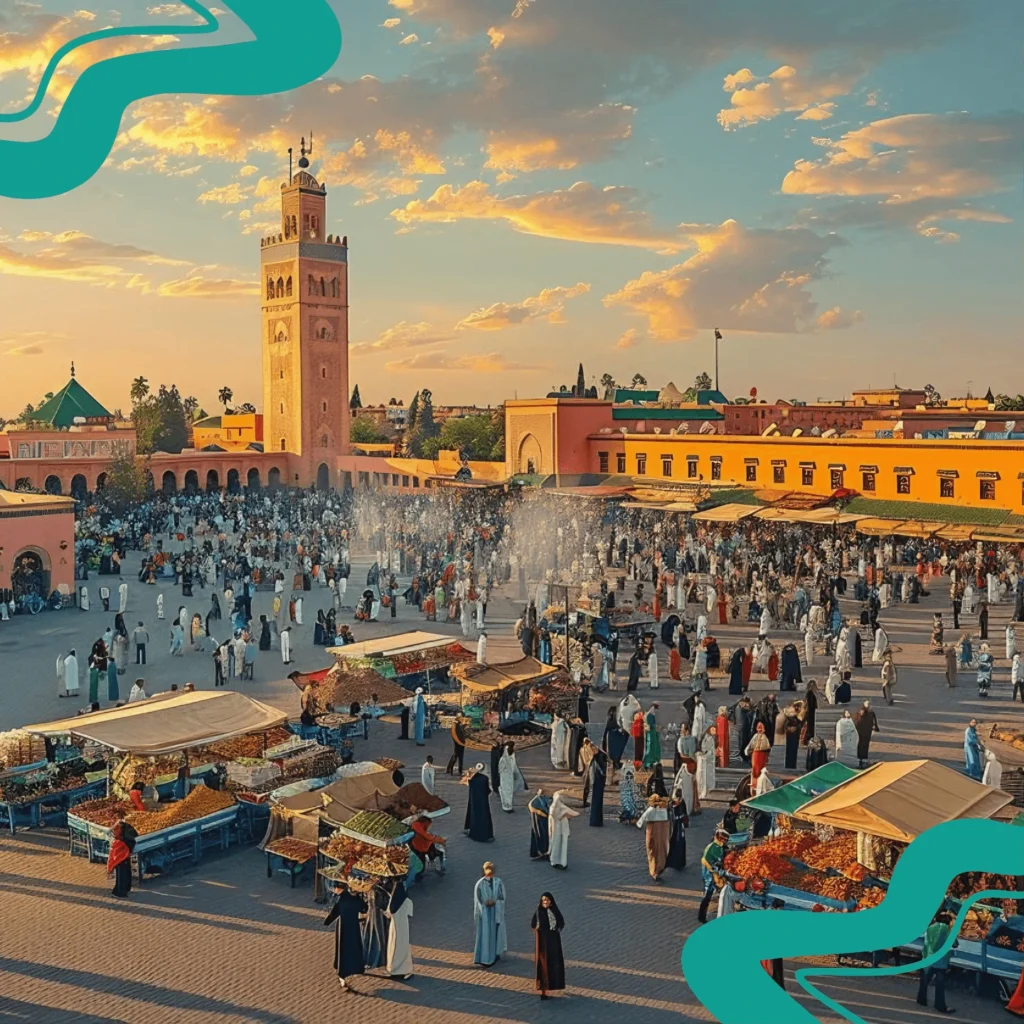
389	646
169	722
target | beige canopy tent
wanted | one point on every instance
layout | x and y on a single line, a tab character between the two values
388	646
341	799
524	672
169	722
898	800
732	512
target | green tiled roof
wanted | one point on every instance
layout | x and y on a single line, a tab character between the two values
635	395
924	511
1013	520
70	402
210	423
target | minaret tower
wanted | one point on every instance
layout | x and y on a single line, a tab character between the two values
305	334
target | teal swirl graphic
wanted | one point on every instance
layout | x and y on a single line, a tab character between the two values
918	887
295	42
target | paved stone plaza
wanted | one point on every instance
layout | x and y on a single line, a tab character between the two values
224	943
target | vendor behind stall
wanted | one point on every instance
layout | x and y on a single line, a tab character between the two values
429	848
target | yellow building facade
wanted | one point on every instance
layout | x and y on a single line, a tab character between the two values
234	432
975	474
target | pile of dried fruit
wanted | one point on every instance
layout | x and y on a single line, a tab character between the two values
977	924
376	825
19	748
101	812
833	888
838	853
297	850
198	804
386	867
247	746
871	898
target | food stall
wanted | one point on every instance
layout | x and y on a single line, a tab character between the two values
41	795
844	842
516	701
145	733
414	659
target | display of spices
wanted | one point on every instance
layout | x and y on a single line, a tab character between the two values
101	812
837	853
376	825
247	746
202	801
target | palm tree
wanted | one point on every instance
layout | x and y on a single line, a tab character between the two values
703	382
248	407
27	413
639	380
139	390
608	383
190	405
224	396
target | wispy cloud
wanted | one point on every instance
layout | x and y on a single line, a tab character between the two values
548	305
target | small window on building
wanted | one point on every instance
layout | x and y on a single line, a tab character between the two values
282	375
666	465
751	474
282	444
394	479
323	406
807	476
415	481
691	469
778	474
988	490
946	487
602	462
323	372
281	407
902	483
620	462
405	481
868	482
716	469
641	465
323	441
836	479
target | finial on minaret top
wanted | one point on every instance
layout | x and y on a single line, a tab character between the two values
72	370
303	161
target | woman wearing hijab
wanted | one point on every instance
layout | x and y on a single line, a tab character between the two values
120	651
97	665
547	925
348	939
398	914
685	749
615	738
479	826
598	773
759	751
656	782
736	671
677	821
635	668
810	712
119	863
628	811
318	629
706	764
558	830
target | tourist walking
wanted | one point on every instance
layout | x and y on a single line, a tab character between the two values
558	825
549	962
489	917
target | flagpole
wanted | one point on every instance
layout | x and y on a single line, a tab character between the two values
717	336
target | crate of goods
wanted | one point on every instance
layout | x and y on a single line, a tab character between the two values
252	771
19	748
375	828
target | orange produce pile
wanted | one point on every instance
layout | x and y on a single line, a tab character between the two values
871	898
838	854
198	804
767	860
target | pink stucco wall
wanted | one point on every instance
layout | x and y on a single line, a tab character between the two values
42	534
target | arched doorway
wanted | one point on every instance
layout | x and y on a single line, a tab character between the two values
30	574
274	479
79	486
323	478
530	458
234	486
169	485
52	485
252	479
191	482
212	481
101	481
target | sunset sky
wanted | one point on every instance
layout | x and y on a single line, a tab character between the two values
835	184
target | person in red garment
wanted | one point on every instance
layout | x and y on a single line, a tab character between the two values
637	731
119	863
722	738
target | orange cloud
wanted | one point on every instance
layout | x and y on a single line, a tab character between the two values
197	286
403	335
837	317
548	305
584	213
744	279
628	340
917	156
490	362
785	90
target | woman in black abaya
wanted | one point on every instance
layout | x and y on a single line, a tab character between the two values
547	925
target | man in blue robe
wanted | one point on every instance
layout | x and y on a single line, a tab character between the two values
489	915
972	751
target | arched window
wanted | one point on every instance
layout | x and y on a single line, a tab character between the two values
323	441
323	287
288	288
282	444
280	287
315	229
312	285
287	228
271	294
323	372
334	287
295	230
